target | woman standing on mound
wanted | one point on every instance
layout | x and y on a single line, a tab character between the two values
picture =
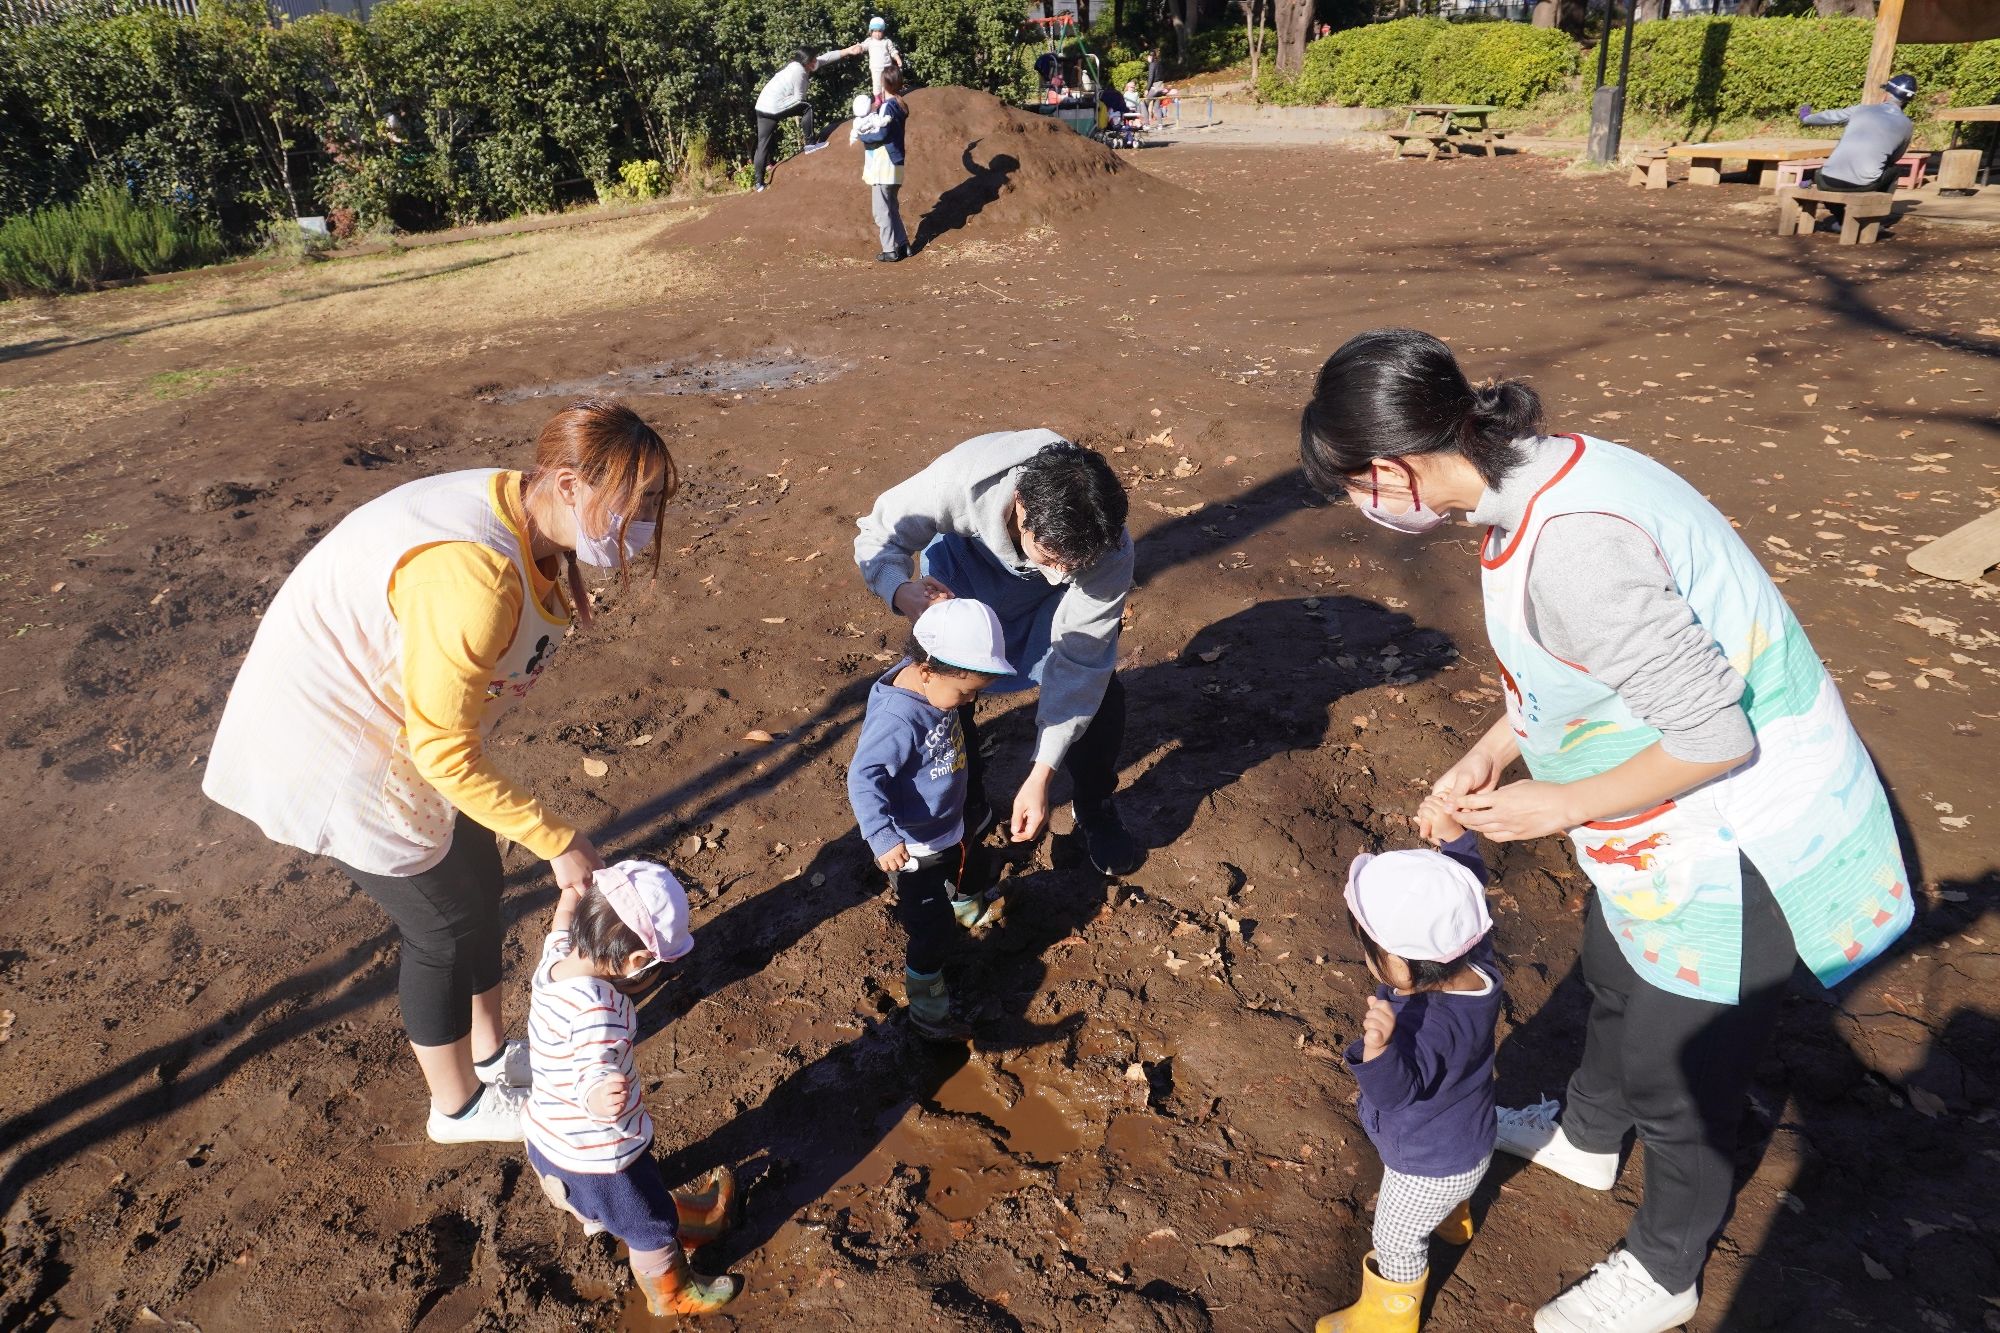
1679	727
356	725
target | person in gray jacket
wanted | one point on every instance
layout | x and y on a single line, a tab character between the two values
1033	526
1865	161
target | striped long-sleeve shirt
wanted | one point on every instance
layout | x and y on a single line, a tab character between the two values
580	1033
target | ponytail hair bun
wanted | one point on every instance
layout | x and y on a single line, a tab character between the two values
1388	393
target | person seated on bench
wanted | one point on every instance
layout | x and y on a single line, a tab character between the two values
1867	158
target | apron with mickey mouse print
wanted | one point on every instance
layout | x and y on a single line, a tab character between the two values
1807	808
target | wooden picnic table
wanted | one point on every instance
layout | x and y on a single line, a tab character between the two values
1446	138
1705	159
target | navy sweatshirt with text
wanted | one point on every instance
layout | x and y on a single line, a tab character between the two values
1427	1099
907	781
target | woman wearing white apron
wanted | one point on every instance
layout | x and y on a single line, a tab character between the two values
355	727
1679	727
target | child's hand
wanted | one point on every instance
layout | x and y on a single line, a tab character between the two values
607	1100
1377	1026
1435	822
894	859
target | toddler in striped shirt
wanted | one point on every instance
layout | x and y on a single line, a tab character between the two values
588	1134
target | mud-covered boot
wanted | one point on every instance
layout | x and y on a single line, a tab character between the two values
1457	1228
930	1008
1384	1307
707	1214
981	909
679	1291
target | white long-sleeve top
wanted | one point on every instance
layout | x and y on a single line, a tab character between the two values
787	87
580	1033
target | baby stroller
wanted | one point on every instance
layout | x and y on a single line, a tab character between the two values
1116	119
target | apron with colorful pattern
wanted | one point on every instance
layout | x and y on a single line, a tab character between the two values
1807	808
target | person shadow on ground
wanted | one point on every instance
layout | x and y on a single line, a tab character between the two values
963	201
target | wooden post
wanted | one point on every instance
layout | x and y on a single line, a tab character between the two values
1882	56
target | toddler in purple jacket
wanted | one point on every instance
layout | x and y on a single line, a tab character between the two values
1424	1060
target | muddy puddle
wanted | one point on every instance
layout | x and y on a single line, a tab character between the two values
775	369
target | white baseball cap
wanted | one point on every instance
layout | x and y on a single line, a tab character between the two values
965	633
652	902
1418	904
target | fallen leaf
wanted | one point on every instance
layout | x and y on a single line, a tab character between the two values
57	587
774	620
1360	721
1135	1072
1873	1269
759	735
1791	1201
1164	1233
1229	1240
818	878
638	741
690	845
1213	654
595	768
1954	821
146	1316
1184	469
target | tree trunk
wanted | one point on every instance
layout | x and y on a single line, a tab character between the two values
1545	13
1570	16
1117	18
1083	15
1293	21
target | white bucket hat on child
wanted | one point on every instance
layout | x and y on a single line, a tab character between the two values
877	24
863	104
1418	904
965	633
652	902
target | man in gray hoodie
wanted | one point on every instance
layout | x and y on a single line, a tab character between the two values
1866	158
1033	526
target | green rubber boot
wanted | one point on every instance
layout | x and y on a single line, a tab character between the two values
981	909
930	1008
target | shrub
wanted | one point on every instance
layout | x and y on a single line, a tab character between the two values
103	236
1497	64
1129	71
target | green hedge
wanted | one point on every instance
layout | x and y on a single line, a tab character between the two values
1729	68
104	235
1425	59
436	111
1704	69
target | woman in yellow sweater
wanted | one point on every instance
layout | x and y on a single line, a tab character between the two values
357	723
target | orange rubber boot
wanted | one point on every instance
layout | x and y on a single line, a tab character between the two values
679	1291
709	1214
1384	1307
1456	1229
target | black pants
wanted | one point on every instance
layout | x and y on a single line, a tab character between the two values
923	901
450	919
1092	762
1676	1069
1885	185
767	135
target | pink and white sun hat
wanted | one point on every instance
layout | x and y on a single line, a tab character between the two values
1418	904
652	903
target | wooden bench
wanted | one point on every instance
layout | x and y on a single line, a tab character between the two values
1861	214
1649	170
1446	145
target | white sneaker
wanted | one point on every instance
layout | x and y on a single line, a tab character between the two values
496	1119
1534	1132
1618	1296
511	1069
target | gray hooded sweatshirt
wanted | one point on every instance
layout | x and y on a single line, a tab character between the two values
969	491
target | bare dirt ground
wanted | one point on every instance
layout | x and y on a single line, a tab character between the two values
211	1119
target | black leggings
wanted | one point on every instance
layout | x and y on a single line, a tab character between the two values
923	902
450	919
767	134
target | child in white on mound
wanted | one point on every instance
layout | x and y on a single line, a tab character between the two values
882	52
1424	1061
588	1134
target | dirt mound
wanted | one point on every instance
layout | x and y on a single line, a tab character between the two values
973	163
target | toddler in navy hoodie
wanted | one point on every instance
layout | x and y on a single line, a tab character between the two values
1425	1057
907	784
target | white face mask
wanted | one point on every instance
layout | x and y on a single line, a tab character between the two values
1416	518
1052	575
602	552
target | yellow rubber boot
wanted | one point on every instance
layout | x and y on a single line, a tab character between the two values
705	1216
679	1291
1456	1229
1384	1307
